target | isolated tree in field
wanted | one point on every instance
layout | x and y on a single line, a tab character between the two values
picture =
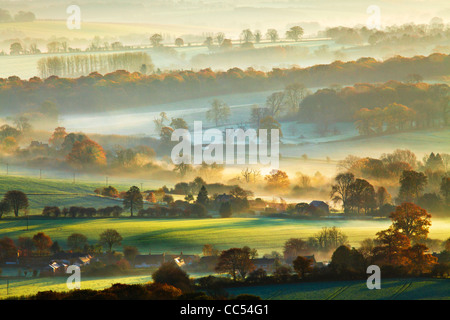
236	262
133	200
247	35
5	208
76	242
22	123
87	152
219	112
15	48
156	40
220	36
276	104
17	200
302	266
295	33
179	42
42	242
412	184
341	190
411	221
272	35
110	238
328	239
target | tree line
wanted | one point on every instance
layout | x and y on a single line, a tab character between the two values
377	108
78	65
122	89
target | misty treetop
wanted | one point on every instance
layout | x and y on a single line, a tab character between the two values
78	65
124	89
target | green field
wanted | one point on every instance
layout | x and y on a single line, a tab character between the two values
392	289
25	287
189	235
170	235
61	193
398	289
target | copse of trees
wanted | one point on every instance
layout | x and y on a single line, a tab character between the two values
390	107
82	212
21	16
81	65
137	89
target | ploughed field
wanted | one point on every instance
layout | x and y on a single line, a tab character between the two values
391	289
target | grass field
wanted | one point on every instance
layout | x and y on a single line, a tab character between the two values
61	193
189	235
391	289
25	287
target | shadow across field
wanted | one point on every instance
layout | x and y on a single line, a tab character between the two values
391	289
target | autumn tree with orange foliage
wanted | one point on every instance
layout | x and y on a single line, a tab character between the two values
42	242
420	262
87	153
411	221
277	179
58	137
392	245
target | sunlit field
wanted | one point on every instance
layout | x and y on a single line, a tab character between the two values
292	147
26	287
189	235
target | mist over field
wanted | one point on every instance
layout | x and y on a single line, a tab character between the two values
255	144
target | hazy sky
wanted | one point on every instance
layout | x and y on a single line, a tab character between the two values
235	15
